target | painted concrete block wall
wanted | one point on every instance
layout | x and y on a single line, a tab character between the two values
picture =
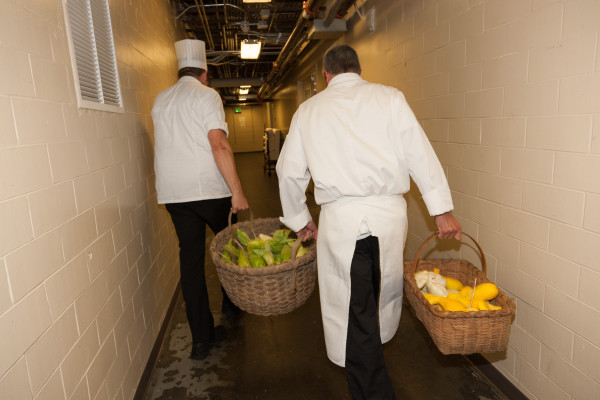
88	261
508	91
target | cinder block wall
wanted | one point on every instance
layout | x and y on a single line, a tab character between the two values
508	91
88	261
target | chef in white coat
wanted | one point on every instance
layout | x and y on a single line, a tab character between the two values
360	142
196	179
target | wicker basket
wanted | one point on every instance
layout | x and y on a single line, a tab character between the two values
459	332
273	290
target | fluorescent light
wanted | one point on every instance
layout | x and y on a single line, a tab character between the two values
241	98
250	49
257	1
244	91
245	86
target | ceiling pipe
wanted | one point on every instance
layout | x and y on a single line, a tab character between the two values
291	43
284	70
332	12
214	5
205	24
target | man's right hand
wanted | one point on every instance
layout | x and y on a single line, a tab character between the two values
309	232
238	202
448	227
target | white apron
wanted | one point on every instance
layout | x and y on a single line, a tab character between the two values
339	224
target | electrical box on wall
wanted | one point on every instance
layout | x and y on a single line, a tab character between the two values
371	20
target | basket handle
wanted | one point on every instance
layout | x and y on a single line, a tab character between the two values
295	248
231	213
430	238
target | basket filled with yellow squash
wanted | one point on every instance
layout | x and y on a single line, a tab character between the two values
462	310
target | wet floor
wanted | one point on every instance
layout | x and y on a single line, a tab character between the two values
283	357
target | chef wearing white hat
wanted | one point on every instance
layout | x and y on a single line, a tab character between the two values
196	179
191	54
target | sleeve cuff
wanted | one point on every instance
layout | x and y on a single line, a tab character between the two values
218	125
438	201
297	222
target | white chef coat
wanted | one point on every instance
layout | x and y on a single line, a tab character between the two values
184	164
360	142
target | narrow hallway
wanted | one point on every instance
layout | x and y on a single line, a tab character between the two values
283	357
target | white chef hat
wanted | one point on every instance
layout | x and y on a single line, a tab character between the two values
190	53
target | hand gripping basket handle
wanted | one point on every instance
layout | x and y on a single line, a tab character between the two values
430	238
231	213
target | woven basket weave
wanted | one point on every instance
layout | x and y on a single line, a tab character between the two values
273	290
459	332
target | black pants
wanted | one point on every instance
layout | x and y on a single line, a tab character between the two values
190	220
368	377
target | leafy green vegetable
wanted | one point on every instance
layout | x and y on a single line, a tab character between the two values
232	249
256	260
281	235
301	251
262	236
255	244
226	256
269	258
242	236
260	251
286	253
243	259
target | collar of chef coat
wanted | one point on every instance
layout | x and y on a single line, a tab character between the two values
188	78
344	77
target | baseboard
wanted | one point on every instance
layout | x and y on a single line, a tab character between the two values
495	377
146	375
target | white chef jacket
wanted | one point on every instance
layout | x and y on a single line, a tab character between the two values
360	142
184	164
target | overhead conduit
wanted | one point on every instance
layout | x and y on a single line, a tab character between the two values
295	39
298	41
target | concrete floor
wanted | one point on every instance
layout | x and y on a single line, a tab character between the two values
283	357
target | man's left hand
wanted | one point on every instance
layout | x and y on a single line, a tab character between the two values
448	227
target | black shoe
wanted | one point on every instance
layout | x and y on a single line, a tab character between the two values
219	334
200	350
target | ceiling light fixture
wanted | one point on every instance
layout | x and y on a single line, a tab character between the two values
244	91
257	1
241	98
250	49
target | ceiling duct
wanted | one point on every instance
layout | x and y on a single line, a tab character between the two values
319	31
235	82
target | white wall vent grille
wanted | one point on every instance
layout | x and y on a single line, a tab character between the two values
93	54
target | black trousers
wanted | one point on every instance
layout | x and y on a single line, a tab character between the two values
368	377
190	220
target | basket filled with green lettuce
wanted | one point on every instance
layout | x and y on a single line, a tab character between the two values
263	267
